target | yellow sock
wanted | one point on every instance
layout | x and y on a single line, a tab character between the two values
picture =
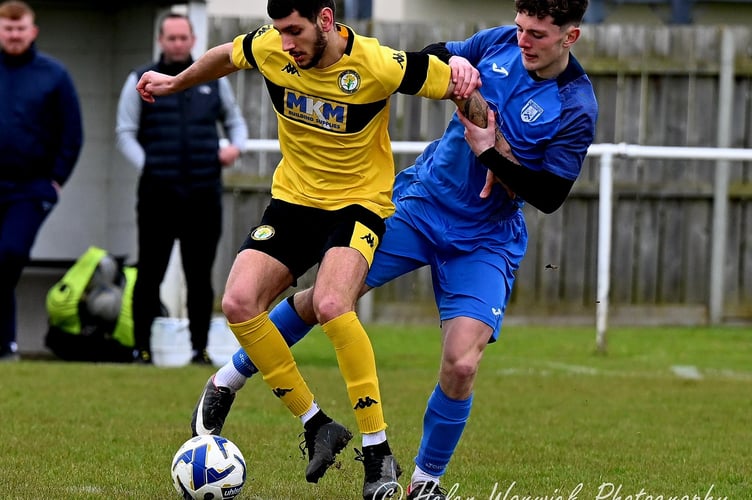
358	366
267	349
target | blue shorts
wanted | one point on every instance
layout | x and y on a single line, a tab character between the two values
472	263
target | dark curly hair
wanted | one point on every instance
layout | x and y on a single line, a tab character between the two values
309	9
563	12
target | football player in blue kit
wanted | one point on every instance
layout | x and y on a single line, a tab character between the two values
471	232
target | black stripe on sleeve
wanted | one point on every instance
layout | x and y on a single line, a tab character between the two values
416	73
439	50
248	48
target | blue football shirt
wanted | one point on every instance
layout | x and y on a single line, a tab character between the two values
549	125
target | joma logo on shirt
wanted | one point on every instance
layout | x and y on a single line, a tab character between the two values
315	111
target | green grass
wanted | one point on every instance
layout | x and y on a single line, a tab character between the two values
551	417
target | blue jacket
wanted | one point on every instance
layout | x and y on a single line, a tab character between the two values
40	122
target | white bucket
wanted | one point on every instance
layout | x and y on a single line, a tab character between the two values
221	344
170	342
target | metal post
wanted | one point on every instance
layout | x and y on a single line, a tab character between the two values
605	206
722	173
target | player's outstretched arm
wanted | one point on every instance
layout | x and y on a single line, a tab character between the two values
215	63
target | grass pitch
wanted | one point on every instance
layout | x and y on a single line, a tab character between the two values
666	414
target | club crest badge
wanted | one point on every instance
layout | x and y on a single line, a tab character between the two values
349	81
262	233
531	111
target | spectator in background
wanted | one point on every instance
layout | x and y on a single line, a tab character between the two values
40	140
174	143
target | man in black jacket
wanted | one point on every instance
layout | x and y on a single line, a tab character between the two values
175	144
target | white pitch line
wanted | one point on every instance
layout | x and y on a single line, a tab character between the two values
688	372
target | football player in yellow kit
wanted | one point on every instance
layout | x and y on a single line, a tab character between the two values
331	192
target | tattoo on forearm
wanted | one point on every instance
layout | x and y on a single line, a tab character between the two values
476	109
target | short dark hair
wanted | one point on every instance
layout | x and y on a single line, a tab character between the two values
173	15
277	9
15	10
563	12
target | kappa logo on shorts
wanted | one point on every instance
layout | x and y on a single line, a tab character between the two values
370	239
262	233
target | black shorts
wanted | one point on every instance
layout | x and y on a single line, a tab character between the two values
299	236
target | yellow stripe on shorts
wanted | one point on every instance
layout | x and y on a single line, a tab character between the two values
364	241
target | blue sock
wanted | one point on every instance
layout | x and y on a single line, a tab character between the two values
290	325
443	423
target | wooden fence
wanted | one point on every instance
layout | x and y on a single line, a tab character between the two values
656	85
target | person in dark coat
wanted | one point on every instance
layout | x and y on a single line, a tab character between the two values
41	138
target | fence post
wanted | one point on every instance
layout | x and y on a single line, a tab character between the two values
721	184
605	206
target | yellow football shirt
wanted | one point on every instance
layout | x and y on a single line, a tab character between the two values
332	122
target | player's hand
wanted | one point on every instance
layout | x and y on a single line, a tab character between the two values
490	181
482	139
154	84
464	76
479	139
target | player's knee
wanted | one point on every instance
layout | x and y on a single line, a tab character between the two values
237	308
230	307
330	306
461	370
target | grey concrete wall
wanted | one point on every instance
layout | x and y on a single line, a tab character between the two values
97	204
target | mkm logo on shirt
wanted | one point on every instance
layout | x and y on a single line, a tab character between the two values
322	113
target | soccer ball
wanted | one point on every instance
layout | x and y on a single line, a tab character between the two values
208	468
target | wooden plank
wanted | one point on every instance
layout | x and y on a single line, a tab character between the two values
606	92
525	287
671	250
574	262
745	258
622	252
734	254
697	245
550	241
646	248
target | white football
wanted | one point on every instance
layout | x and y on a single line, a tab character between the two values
208	468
